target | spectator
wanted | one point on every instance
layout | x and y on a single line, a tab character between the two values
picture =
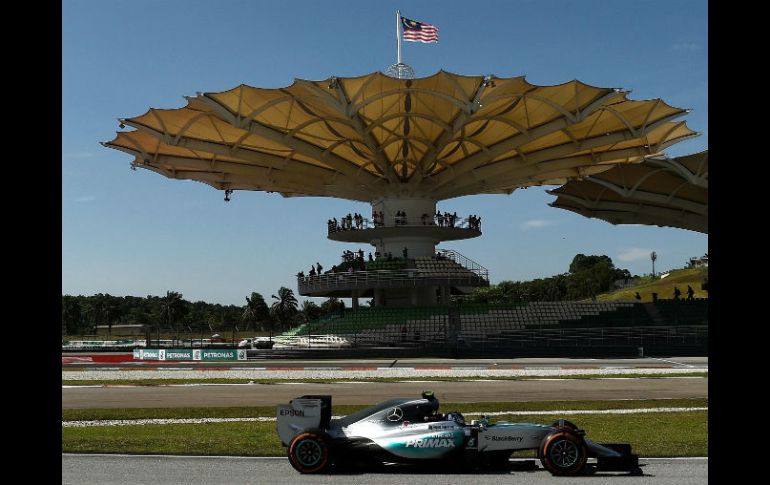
690	292
638	297
312	271
677	293
424	219
405	252
320	268
654	297
370	257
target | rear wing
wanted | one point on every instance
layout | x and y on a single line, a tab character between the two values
302	413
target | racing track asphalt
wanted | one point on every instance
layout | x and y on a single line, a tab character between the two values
369	393
127	469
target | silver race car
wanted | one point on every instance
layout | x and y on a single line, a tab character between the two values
413	431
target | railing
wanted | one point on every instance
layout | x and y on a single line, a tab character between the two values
689	335
526	340
466	263
398	221
387	279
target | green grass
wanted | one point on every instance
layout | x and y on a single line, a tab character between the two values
651	435
164	382
344	409
663	287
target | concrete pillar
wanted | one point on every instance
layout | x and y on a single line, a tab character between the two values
414	209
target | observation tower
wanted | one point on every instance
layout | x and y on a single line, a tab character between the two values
402	146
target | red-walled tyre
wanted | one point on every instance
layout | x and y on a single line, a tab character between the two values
309	451
563	453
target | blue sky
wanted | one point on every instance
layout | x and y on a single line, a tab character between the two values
137	233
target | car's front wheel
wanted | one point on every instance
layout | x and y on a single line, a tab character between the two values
563	453
309	451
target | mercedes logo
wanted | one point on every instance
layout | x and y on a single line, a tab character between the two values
395	414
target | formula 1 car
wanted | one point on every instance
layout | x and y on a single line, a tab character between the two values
412	431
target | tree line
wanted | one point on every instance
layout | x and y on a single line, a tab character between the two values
81	314
587	277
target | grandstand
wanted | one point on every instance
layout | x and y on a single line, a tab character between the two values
482	325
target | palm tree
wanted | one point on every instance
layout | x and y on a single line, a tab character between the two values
255	310
171	307
284	308
310	310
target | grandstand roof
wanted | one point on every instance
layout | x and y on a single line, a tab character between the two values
659	191
374	136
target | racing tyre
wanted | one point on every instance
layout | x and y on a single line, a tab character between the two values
563	453
309	451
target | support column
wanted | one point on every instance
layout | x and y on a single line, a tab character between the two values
414	209
354	299
445	292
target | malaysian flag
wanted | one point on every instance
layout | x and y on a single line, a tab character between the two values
418	31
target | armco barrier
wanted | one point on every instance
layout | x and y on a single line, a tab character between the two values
190	354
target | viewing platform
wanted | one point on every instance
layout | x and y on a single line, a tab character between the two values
366	230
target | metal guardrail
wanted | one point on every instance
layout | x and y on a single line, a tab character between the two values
458	223
529	341
465	262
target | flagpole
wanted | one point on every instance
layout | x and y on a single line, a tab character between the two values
398	35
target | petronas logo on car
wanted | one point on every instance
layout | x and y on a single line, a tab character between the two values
431	443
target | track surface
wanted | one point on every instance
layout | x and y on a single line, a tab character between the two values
369	393
123	469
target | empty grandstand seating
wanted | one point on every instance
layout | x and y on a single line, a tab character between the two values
383	264
441	268
493	322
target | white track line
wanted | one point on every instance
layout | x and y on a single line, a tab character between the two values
673	362
262	419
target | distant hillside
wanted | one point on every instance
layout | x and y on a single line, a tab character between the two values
663	287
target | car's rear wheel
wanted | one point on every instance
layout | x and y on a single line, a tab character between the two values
563	453
309	451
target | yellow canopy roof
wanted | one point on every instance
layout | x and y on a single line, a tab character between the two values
659	191
374	136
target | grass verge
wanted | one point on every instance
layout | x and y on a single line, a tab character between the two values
651	435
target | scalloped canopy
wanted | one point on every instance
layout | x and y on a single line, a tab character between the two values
660	191
374	136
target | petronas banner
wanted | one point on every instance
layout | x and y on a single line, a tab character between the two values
190	354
